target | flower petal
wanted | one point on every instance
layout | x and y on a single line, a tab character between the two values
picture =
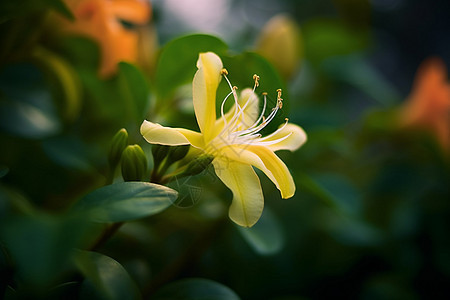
248	199
297	137
267	161
156	134
204	87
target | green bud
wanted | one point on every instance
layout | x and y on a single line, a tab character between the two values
177	152
159	152
118	144
134	163
280	42
198	165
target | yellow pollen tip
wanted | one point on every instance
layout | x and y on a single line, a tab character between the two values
279	93
286	119
256	79
264	94
235	87
223	72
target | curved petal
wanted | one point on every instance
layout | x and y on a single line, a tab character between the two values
204	87
268	162
156	134
297	137
248	199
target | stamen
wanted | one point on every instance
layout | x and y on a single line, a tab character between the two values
224	73
276	131
232	132
279	99
221	108
256	79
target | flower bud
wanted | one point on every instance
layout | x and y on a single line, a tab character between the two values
159	152
177	152
134	163
118	144
198	165
280	43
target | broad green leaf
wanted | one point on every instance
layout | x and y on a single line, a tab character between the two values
266	236
11	9
177	62
134	90
26	107
350	230
195	289
12	202
68	152
82	52
125	201
354	70
65	78
335	191
40	245
105	278
4	170
342	192
324	38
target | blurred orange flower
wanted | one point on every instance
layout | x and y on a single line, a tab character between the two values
428	106
102	20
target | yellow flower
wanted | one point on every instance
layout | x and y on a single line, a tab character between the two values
101	21
234	140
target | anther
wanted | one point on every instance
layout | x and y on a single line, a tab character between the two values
280	103
235	87
279	93
223	72
264	94
256	79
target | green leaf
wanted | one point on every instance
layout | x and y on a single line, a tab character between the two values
125	201
195	289
68	152
266	236
177	62
82	52
324	38
349	230
41	245
342	192
65	81
26	107
335	191
11	9
354	70
105	278
134	90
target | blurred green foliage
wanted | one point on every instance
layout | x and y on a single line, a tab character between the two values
369	220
